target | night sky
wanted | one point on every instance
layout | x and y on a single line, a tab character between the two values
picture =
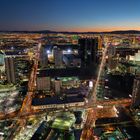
70	15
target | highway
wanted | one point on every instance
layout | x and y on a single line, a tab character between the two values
26	106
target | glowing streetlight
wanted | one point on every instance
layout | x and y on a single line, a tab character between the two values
69	50
48	51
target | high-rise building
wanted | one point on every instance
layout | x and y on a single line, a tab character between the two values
111	51
1	58
112	62
58	57
100	43
43	57
43	83
136	93
57	86
0	75
10	69
88	51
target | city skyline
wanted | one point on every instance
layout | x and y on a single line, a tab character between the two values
64	15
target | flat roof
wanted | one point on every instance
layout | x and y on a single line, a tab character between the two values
6	88
66	46
69	72
55	100
64	121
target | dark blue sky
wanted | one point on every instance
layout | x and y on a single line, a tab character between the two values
69	15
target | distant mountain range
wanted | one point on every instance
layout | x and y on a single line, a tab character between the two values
66	32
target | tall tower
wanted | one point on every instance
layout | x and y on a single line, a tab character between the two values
100	43
1	58
58	57
43	57
88	51
136	92
10	70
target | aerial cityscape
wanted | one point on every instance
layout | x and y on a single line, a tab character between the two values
70	70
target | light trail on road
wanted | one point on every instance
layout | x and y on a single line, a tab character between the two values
100	72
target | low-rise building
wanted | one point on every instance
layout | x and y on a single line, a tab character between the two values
56	102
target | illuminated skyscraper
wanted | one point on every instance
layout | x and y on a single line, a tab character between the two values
57	86
136	93
43	57
1	58
112	63
10	70
58	57
100	43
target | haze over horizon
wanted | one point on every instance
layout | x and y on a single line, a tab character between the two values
70	15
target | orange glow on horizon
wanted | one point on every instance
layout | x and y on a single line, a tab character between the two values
83	28
96	29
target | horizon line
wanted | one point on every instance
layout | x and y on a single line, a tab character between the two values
67	31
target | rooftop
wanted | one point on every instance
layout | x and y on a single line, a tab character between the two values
8	87
55	100
64	121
